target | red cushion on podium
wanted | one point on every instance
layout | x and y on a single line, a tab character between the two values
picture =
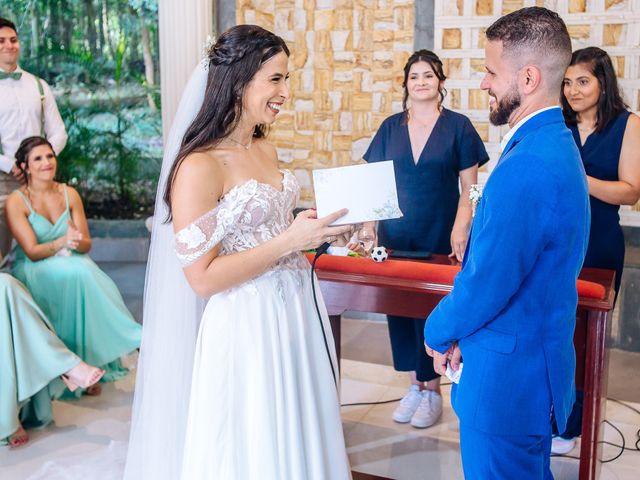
421	271
426	272
591	290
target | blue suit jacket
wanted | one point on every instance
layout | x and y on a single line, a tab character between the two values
513	304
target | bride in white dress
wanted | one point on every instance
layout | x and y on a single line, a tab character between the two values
263	402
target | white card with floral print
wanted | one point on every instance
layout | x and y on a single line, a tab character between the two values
368	191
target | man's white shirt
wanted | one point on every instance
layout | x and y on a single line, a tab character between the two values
511	133
20	111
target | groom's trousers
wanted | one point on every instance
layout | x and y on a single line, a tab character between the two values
488	456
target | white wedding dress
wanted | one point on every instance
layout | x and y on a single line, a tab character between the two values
263	402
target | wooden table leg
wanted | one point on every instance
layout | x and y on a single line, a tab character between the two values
336	321
595	395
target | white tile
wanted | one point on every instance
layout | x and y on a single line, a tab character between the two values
376	444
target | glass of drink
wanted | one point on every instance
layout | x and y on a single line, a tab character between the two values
367	237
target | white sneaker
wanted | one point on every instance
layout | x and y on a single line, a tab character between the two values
562	446
408	405
429	410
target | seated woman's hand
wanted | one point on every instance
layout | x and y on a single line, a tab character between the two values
73	237
308	231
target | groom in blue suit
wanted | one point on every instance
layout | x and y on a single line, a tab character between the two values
511	313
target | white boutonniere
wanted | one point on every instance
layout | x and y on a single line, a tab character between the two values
475	194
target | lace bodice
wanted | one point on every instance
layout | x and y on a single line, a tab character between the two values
248	215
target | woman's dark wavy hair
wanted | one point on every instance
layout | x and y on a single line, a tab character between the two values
610	103
25	148
233	62
436	64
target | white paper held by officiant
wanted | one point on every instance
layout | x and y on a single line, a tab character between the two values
368	191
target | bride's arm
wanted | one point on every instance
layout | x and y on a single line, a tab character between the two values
197	188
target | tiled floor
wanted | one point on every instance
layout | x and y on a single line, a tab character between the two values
96	427
380	446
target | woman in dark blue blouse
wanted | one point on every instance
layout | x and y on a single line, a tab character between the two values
433	150
608	137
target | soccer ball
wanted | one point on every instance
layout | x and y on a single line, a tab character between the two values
379	254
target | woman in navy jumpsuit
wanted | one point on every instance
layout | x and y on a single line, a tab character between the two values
433	149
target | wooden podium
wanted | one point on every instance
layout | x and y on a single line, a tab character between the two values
411	298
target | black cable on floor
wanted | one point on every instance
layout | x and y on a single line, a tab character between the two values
563	455
622	447
362	404
381	402
633	409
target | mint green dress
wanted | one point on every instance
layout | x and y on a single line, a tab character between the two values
31	360
81	301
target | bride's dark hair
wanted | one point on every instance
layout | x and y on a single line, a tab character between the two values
233	62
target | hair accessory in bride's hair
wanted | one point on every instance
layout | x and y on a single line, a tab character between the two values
208	46
233	46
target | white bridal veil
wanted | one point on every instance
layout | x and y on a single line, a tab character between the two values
172	313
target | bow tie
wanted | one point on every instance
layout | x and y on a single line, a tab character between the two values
11	75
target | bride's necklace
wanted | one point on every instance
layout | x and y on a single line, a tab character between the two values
245	146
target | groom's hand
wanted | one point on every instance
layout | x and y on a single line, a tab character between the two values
453	356
428	349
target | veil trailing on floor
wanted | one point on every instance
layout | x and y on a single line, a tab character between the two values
172	313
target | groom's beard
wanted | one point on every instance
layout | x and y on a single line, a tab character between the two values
505	107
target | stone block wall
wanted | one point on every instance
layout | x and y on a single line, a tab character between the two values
347	59
346	75
613	25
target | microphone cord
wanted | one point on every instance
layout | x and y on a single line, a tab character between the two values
622	446
320	251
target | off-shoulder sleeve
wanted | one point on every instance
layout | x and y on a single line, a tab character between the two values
205	232
201	235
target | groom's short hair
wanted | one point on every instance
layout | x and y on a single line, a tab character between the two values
536	36
8	23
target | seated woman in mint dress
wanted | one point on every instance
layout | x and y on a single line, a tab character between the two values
32	358
47	219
